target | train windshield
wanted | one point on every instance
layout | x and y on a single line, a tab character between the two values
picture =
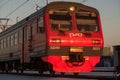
86	21
60	20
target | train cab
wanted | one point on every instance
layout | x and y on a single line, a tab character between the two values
74	36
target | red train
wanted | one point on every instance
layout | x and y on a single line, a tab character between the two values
60	37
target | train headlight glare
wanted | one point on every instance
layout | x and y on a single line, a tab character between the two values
55	40
72	8
64	58
50	12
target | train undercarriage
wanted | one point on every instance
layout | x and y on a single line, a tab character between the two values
35	64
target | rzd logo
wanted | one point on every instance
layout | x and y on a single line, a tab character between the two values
75	34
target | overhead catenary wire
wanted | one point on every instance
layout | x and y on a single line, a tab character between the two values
17	8
83	1
4	3
4	26
25	13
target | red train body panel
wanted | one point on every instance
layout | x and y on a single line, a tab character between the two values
65	45
62	37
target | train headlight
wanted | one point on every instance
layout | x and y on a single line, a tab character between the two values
55	40
72	8
96	41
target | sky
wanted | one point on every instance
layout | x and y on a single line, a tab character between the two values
109	13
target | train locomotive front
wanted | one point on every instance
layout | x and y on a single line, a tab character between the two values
74	37
60	37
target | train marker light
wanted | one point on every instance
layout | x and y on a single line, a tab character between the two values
96	41
64	58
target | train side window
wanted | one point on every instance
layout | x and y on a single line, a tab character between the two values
16	38
25	34
40	25
20	36
31	29
8	41
12	40
2	44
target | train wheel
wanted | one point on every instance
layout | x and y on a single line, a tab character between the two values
50	69
6	71
76	73
52	73
3	70
62	73
6	67
40	72
17	71
21	70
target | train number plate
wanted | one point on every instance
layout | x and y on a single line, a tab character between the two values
76	49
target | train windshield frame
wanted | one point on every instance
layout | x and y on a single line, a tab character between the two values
60	20
87	21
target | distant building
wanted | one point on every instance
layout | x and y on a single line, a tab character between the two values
106	58
106	51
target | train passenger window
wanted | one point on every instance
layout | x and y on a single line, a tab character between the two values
20	36
16	38
61	20
31	29
4	42
86	22
40	25
25	34
8	41
1	44
12	40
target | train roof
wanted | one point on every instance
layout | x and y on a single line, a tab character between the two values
18	24
66	5
52	5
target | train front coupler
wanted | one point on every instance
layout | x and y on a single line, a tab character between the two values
76	59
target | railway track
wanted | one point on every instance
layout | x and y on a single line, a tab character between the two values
91	75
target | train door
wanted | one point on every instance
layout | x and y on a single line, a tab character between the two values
41	36
25	46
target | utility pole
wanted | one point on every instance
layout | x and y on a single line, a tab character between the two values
37	7
83	1
3	26
46	2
